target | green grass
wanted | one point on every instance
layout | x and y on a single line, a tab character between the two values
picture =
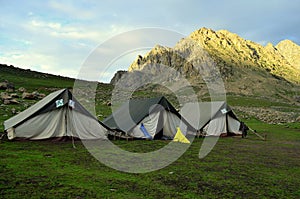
32	80
235	168
256	102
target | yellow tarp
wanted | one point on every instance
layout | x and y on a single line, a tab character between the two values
179	137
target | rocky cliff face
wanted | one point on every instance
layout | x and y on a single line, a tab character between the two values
231	53
246	68
290	51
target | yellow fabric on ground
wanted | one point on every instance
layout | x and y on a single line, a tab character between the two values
179	137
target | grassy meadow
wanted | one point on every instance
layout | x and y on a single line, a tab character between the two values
235	168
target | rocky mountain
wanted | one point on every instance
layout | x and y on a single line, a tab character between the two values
290	51
230	52
246	67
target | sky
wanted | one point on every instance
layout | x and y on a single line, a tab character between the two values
58	37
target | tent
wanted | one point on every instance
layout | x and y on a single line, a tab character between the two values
151	118
212	118
57	115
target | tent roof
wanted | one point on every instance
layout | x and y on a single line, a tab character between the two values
199	114
134	111
48	103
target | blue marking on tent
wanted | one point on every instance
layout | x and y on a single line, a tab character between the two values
144	130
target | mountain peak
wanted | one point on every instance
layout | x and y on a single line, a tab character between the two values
291	51
231	53
287	42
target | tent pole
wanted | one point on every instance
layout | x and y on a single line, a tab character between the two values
254	132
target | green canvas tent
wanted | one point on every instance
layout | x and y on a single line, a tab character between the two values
212	118
147	118
57	115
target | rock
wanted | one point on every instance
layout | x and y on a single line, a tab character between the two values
225	49
7	85
22	89
41	95
268	115
298	119
3	86
297	98
290	51
26	95
5	96
6	102
14	95
36	94
13	111
10	90
117	76
33	95
13	101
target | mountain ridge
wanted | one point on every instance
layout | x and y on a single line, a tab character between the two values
229	49
247	68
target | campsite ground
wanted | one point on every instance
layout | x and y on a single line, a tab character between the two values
235	168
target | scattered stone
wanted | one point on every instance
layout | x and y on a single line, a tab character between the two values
41	95
297	98
5	85
5	96
10	90
14	95
6	102
29	96
13	110
22	89
33	95
268	115
13	101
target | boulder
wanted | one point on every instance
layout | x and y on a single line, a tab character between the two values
26	95
7	85
5	96
14	95
6	102
297	98
33	95
13	111
22	89
13	101
42	95
3	85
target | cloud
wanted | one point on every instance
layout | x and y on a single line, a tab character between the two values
58	36
72	10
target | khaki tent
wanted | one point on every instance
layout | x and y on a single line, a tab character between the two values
57	115
151	118
212	118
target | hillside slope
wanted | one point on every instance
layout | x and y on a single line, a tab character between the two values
246	68
33	80
260	81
